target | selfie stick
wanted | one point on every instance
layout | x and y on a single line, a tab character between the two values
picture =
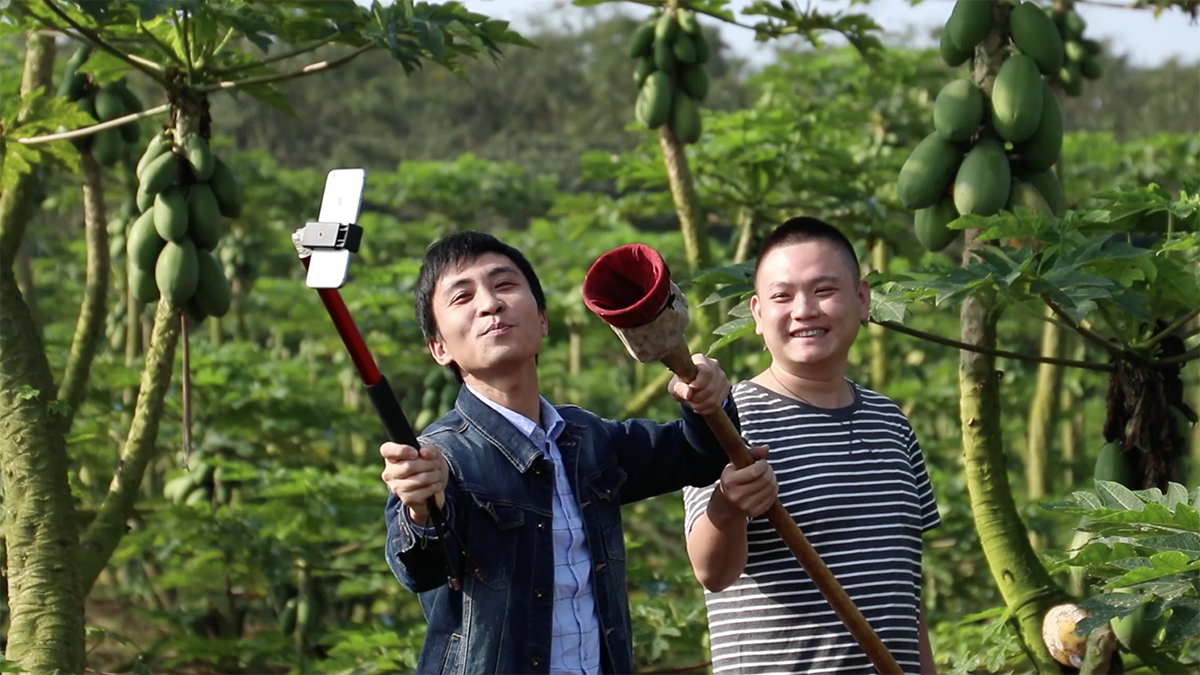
324	246
630	288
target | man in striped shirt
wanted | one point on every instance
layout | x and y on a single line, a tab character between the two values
842	459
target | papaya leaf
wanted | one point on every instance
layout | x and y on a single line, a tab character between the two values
1184	623
1163	564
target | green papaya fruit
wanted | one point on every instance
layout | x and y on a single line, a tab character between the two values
1072	80
161	173
213	294
687	21
685	119
983	181
969	22
1025	196
227	189
106	147
204	217
171	215
1047	186
1017	98
177	271
108	104
1036	36
654	101
199	157
695	82
958	110
159	143
1112	464
684	49
666	28
928	171
1135	631
642	40
144	243
1042	149
141	284
702	49
1073	25
930	224
951	54
664	57
1090	67
645	66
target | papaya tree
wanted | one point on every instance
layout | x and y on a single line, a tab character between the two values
190	51
974	168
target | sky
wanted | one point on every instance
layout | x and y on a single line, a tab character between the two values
1148	41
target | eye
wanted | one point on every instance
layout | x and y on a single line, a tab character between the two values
825	291
781	297
459	298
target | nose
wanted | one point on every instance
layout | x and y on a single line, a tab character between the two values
489	303
805	307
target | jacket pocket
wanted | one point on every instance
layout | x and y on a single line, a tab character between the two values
453	662
606	487
495	533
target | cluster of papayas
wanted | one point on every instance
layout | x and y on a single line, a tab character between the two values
203	483
114	323
439	392
989	153
670	53
103	102
184	190
1081	56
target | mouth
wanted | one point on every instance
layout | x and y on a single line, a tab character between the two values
809	333
497	329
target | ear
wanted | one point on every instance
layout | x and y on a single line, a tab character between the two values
437	349
545	322
864	301
755	311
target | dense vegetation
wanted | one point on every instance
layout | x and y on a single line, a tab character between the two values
265	553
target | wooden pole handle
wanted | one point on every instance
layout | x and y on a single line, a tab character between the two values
679	361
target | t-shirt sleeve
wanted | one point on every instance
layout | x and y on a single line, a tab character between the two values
929	511
695	503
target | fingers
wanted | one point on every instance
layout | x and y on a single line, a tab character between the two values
396	452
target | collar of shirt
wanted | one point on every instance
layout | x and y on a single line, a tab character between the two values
554	423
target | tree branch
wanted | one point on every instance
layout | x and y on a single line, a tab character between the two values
1166	332
104	534
310	69
1189	355
278	57
93	128
901	328
153	70
1095	338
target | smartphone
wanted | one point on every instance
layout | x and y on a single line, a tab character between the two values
340	203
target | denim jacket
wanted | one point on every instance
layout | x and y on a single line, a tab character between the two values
498	502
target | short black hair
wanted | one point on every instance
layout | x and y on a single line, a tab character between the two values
802	229
456	249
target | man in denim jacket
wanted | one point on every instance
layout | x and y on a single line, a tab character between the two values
531	490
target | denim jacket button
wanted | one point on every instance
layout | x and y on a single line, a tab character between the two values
535	662
537	595
542	525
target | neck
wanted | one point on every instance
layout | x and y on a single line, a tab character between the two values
515	390
824	390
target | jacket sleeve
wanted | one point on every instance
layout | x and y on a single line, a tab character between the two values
417	555
660	458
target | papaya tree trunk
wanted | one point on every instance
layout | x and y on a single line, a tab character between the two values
691	224
26	283
877	333
105	532
1023	582
90	324
1043	420
45	631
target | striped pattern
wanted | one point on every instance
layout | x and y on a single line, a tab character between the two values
854	480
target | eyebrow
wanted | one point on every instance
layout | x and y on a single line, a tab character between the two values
498	270
823	279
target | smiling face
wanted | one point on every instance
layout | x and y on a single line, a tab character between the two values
808	305
487	318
